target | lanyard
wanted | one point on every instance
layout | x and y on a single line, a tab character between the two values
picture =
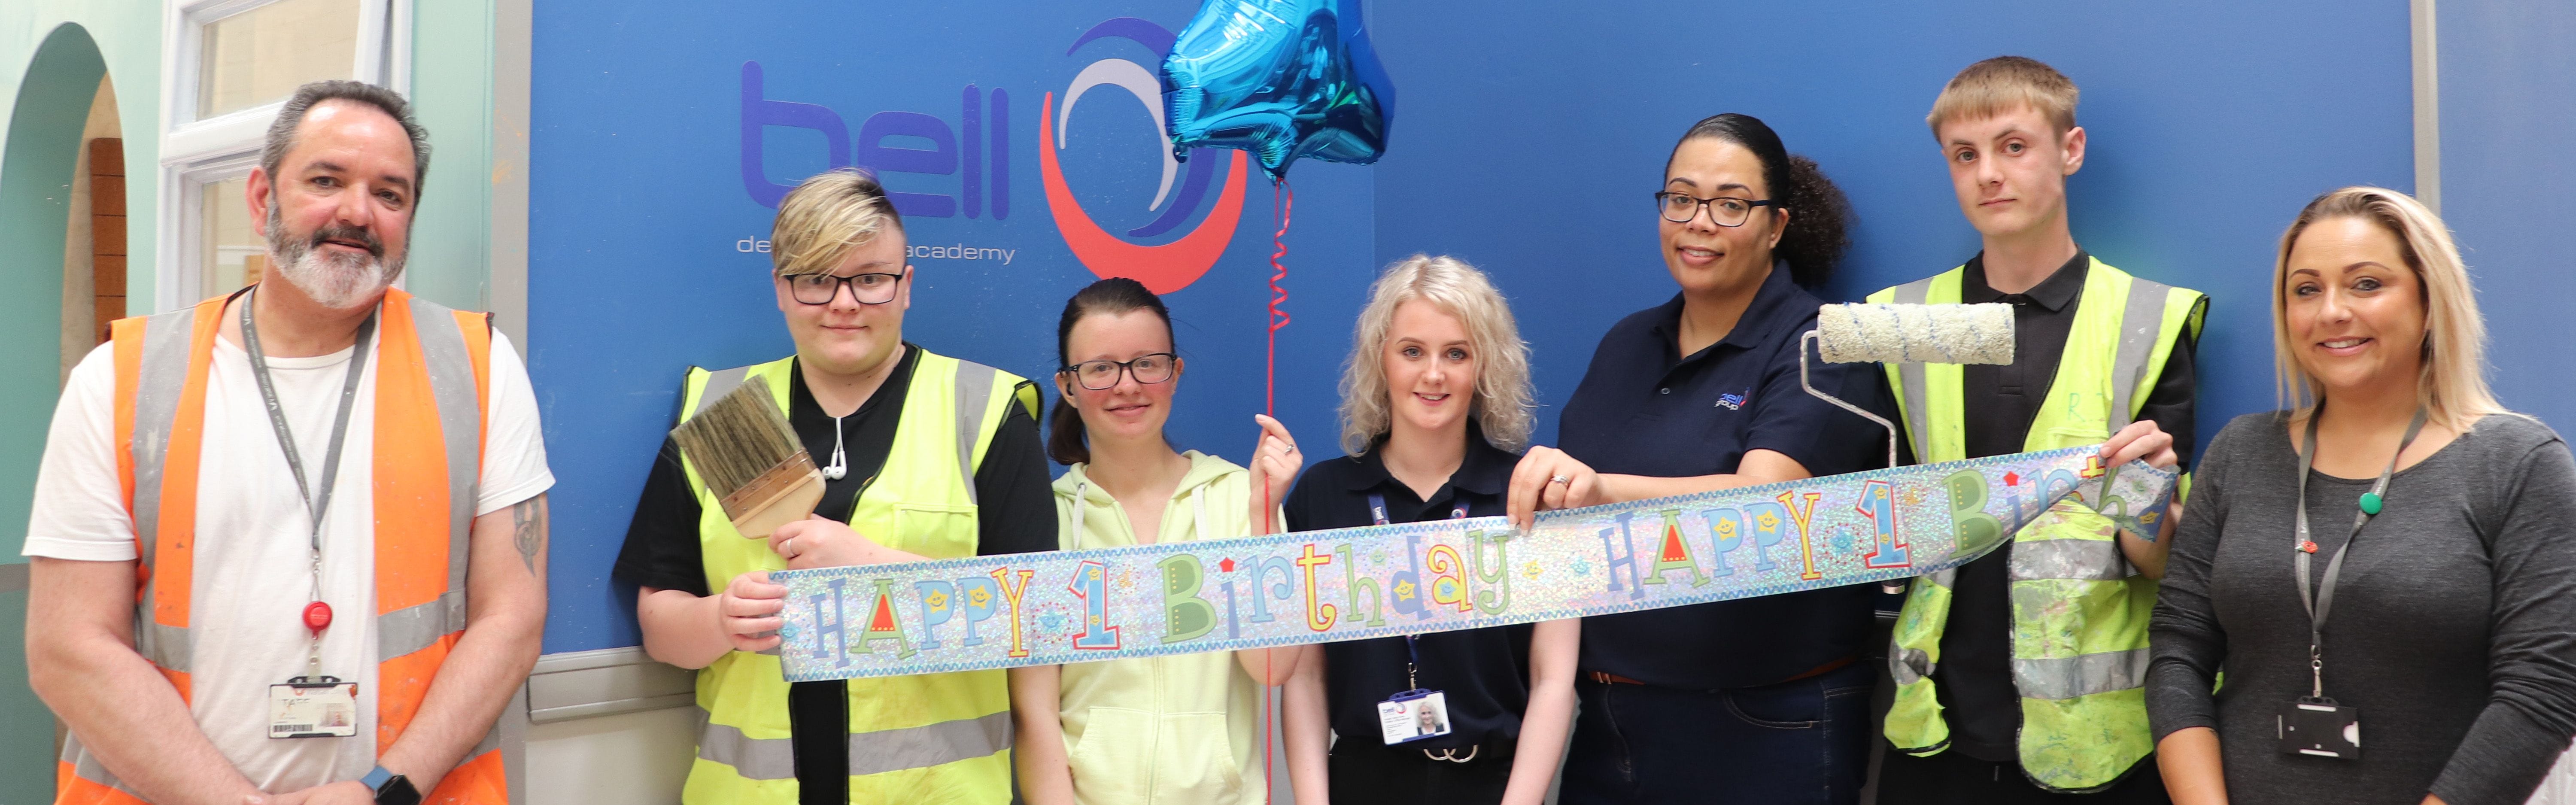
1412	651
2322	601
314	504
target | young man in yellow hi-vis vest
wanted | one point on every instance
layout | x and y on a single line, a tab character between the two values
924	457
2018	677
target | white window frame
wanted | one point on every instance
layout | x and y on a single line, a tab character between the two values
195	152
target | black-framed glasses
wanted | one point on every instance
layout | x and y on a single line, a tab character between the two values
1680	208
818	289
1102	375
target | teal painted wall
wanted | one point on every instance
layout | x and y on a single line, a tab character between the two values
52	53
451	93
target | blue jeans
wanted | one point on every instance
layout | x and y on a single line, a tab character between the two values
1804	741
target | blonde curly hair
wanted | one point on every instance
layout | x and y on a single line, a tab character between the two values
1503	400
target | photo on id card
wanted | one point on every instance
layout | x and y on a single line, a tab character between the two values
1414	715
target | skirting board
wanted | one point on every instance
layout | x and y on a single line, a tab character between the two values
583	684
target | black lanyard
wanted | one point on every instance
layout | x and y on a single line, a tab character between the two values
1412	649
2322	600
314	504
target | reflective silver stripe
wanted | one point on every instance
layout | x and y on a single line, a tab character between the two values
719	383
751	758
931	745
161	378
870	752
2082	559
1944	578
1918	422
413	628
2081	675
2140	319
87	767
460	422
974	393
1908	665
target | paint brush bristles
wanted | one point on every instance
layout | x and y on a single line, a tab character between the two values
748	456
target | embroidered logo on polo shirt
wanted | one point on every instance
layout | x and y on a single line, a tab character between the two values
1733	402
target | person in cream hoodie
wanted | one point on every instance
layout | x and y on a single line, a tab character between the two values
1174	729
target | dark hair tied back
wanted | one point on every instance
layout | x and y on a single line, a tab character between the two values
1110	297
1820	216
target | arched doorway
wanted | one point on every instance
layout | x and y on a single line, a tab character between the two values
43	153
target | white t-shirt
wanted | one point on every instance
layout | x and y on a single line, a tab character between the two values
254	564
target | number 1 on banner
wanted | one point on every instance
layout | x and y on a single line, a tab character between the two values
1878	505
1091	585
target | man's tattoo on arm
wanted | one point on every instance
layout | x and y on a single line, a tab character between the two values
529	516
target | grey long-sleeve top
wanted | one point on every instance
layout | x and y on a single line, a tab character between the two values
2453	628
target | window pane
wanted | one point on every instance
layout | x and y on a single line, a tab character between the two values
232	255
260	56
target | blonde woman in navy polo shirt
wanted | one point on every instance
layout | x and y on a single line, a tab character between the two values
1759	700
1435	400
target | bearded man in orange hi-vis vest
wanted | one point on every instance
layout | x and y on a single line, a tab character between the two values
289	542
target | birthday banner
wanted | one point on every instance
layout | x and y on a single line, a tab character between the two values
1379	581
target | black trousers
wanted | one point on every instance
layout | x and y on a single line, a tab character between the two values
1952	778
1365	771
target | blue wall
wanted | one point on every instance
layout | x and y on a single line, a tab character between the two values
2508	150
2210	125
1528	137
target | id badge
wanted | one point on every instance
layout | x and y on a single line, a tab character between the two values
313	707
1413	715
2320	728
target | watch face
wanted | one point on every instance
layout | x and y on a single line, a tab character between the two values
397	791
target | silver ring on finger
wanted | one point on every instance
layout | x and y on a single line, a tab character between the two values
1560	479
787	548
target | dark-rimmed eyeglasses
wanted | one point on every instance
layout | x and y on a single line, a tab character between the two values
1102	375
1680	208
818	289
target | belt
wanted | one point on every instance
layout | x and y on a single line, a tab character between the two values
1607	678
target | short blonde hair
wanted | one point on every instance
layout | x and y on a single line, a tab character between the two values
2452	384
1994	86
825	217
1502	403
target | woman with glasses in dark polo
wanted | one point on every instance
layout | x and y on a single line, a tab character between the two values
1758	700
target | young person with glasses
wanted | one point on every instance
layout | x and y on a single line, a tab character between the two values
1761	700
887	420
1172	730
1435	400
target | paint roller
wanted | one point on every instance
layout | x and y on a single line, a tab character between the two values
1856	333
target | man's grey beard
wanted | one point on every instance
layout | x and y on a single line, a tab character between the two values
336	280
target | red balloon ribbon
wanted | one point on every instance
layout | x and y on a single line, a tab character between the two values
1286	199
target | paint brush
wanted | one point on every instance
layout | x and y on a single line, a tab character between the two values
749	457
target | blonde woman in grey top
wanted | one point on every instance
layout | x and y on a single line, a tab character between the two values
2438	558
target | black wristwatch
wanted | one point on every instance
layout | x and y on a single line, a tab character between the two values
391	788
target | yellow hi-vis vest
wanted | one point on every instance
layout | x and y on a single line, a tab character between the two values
2079	630
931	738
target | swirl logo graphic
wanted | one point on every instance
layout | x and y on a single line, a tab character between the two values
1169	266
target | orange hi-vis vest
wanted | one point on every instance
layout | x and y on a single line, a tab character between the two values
432	371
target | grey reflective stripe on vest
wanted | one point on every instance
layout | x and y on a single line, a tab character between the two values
719	383
2140	319
87	767
460	422
870	752
2079	559
1918	422
974	393
1908	665
2082	675
161	378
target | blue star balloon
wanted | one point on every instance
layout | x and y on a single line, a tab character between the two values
1281	79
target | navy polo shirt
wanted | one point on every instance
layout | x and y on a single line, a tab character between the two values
1485	672
1646	409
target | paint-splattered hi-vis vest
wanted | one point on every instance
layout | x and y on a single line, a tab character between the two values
2079	630
942	738
433	369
